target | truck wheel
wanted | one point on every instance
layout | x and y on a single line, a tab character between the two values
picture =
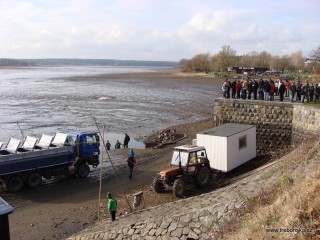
158	185
34	180
83	170
203	177
178	187
14	184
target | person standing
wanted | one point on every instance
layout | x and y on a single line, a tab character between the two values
317	93
244	88
293	90
126	140
305	92
255	89
112	206
287	85
225	88
238	89
272	90
131	162
108	145
266	90
311	92
233	89
299	90
282	90
250	88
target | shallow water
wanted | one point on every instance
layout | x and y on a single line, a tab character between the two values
46	100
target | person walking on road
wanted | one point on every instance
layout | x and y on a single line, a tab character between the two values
131	162
126	140
112	206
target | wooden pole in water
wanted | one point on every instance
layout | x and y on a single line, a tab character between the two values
99	204
113	168
20	129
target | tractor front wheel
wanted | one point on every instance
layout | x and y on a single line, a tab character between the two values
158	185
83	170
178	187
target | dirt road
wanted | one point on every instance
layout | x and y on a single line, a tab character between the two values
60	209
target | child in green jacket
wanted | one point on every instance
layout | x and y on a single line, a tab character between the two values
112	206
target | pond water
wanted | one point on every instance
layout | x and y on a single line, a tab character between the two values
45	100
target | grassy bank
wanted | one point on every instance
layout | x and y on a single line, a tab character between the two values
288	210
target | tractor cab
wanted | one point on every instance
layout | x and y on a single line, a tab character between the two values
187	157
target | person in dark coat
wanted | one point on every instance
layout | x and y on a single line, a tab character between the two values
126	140
293	90
118	145
255	89
282	90
108	145
233	89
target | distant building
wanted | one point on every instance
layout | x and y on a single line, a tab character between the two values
249	71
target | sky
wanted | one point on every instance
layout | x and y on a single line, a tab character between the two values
156	30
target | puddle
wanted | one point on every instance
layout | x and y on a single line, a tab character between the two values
113	137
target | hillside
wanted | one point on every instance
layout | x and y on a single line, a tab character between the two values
84	62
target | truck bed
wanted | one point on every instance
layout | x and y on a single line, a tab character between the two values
42	158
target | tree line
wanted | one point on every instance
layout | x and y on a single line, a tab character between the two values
227	57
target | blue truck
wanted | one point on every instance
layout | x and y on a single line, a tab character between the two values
27	162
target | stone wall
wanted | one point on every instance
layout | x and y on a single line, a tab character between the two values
305	122
279	124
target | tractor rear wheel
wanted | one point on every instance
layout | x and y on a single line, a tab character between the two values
158	185
203	177
178	187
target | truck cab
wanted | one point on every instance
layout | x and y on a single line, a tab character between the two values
87	146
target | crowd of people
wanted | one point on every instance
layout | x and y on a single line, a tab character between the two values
266	90
118	144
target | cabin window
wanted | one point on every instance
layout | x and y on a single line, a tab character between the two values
71	139
91	140
242	142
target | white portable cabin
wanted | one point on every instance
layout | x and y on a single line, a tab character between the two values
228	145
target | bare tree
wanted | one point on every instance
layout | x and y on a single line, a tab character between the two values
201	62
316	54
297	61
280	63
185	65
225	58
264	60
249	59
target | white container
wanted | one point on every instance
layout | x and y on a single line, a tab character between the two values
229	145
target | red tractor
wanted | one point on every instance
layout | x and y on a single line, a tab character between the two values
189	165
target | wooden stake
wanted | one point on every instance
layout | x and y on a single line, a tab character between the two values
113	168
